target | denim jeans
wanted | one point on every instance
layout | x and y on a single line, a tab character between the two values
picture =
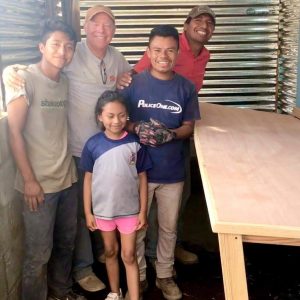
49	243
83	254
152	232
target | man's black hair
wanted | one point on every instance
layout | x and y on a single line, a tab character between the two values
56	24
164	31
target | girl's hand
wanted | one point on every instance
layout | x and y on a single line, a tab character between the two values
90	222
142	221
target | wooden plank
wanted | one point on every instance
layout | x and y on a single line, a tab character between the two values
233	267
296	112
271	240
254	229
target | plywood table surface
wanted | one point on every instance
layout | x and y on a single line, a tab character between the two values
250	168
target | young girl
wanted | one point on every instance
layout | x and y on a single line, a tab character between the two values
115	190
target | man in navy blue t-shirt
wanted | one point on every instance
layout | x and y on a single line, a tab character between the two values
161	94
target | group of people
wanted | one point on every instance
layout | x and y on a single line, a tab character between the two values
129	145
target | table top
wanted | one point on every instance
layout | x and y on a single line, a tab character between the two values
250	167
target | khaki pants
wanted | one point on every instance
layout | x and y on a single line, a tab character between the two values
168	197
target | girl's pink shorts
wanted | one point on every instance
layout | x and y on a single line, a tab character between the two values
124	225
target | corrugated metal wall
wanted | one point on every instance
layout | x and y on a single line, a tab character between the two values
288	63
19	28
243	66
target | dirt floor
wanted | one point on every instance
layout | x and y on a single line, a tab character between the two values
273	272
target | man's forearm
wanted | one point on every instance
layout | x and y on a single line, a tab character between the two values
20	155
130	126
185	131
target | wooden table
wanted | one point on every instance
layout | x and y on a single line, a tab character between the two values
250	168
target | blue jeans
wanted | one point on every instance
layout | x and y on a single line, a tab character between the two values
49	243
83	254
152	231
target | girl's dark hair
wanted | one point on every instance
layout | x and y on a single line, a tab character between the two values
164	31
56	24
107	97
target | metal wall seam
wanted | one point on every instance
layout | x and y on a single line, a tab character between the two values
289	43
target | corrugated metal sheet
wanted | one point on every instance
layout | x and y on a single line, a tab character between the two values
289	36
19	25
19	30
243	66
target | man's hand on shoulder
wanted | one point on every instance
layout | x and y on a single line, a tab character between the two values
10	77
125	79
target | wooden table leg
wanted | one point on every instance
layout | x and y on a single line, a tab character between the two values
233	267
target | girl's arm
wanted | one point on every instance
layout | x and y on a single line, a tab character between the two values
87	201
143	200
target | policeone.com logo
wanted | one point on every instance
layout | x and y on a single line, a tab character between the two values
175	108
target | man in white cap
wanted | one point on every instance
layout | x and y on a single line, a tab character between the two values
93	70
